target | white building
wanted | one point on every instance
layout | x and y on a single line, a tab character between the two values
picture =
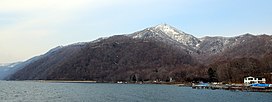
253	80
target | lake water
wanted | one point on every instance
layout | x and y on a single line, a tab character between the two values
28	91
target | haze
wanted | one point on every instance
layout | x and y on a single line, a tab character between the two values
31	27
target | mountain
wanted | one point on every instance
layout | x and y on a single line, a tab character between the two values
154	53
118	57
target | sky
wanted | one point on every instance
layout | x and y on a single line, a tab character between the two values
32	27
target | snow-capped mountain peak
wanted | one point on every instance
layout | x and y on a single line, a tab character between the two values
178	35
169	34
167	29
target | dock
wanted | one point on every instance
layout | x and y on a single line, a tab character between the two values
235	87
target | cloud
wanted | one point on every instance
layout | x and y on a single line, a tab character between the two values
35	26
29	22
50	5
31	27
32	5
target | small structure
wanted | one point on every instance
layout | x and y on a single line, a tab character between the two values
254	80
171	79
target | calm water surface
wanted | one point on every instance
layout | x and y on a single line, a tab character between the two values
27	91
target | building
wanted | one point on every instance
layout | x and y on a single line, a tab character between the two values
254	80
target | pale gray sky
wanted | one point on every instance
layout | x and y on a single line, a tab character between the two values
32	27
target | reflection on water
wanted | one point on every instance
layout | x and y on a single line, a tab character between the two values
28	91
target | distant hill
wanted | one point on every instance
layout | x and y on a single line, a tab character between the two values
7	69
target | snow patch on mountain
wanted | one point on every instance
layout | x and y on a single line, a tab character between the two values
3	64
214	45
9	65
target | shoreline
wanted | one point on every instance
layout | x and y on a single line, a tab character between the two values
178	84
65	81
57	81
184	84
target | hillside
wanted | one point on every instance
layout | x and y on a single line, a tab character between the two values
115	58
154	53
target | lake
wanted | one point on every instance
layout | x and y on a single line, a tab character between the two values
30	91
